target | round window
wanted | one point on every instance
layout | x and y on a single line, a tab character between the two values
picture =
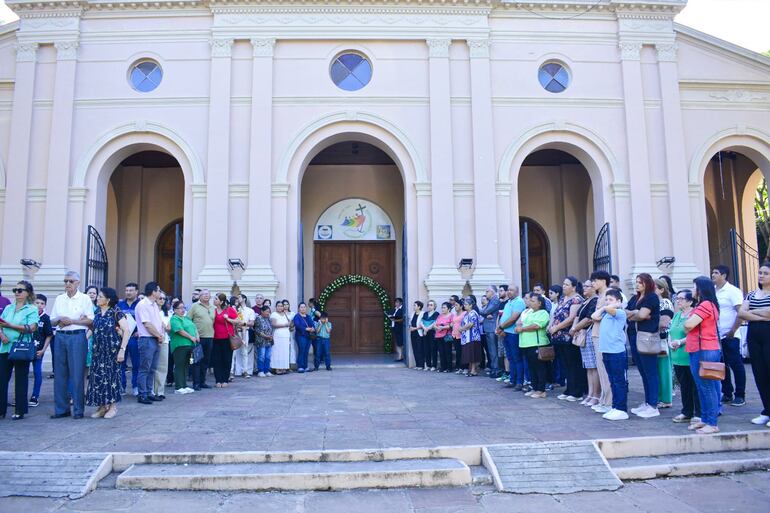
146	76
351	71
554	77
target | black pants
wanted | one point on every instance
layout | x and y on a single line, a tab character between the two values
458	362
200	368
221	359
445	348
181	361
537	370
398	335
690	400
171	364
569	356
418	346
731	355
431	351
759	352
21	383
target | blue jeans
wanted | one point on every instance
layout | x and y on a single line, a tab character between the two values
731	352
617	370
647	365
37	368
324	351
264	354
303	348
515	358
149	352
709	390
132	350
493	363
69	369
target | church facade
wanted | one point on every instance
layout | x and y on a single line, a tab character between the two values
432	145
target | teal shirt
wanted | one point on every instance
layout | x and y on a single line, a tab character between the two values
676	332
515	305
27	314
324	330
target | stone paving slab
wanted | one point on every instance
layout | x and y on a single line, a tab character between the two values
51	474
551	468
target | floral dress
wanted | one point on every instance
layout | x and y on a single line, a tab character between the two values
104	377
560	315
471	339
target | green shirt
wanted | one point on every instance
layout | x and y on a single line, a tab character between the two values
203	318
27	314
534	338
676	332
179	323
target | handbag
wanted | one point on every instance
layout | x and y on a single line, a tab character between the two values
545	353
579	339
22	349
236	342
714	371
197	353
647	343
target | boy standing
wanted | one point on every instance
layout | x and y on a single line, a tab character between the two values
43	336
612	343
323	328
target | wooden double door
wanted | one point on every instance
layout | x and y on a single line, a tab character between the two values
354	310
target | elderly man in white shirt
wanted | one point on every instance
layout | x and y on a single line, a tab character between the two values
72	313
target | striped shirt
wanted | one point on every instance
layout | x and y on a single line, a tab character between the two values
756	303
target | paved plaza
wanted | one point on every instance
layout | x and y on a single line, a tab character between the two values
347	408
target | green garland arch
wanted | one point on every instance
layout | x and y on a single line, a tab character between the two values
358	279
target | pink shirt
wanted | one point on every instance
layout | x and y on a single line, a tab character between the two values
456	320
147	311
443	320
704	336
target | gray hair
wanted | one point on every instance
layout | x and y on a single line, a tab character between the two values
72	274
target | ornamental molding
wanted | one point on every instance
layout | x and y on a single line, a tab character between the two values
423	188
66	50
438	47
36	195
78	194
51	23
263	47
666	52
503	189
280	190
239	190
221	47
739	95
630	50
479	48
26	52
199	191
462	189
659	189
621	190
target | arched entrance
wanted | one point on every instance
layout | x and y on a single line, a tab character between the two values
556	208
352	216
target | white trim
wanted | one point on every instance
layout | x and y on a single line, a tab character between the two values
717	143
721	44
2	173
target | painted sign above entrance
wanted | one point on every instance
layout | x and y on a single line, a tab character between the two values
354	219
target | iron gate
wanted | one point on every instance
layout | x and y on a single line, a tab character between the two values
603	250
524	247
96	260
178	260
745	260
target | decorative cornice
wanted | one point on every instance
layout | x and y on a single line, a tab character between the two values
36	195
66	50
462	189
621	190
221	47
78	194
659	189
280	190
263	47
423	188
479	48
199	191
26	52
239	190
438	47
630	50
503	189
666	52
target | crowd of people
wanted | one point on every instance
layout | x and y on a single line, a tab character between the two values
577	335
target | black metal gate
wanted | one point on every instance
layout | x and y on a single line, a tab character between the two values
745	260
178	264
524	247
96	260
603	250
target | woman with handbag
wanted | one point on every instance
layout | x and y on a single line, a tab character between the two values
702	344
305	333
581	338
111	334
184	337
564	315
644	338
17	347
225	323
443	336
690	402
457	318
533	337
756	310
665	368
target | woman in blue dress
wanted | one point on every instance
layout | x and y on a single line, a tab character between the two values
111	334
470	337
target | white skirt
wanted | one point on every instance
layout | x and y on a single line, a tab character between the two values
280	358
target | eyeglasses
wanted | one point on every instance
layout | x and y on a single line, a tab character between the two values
69	281
18	291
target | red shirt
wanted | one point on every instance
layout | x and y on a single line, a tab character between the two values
704	336
222	328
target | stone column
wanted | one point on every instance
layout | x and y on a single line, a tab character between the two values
215	274
638	161
14	216
259	275
55	239
505	228
676	166
487	265
443	278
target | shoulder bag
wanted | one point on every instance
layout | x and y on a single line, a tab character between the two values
714	371
545	353
197	353
236	342
646	342
22	349
579	339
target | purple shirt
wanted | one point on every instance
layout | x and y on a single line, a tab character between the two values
147	311
4	301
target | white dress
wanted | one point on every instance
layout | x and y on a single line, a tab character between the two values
280	358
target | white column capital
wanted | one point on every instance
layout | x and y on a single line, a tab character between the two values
66	50
479	48
221	47
263	46
438	47
630	50
26	52
666	52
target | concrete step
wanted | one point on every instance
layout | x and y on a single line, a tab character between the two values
298	475
480	476
651	467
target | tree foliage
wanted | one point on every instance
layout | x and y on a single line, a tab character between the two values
762	213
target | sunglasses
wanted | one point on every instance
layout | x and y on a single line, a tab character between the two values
70	281
18	291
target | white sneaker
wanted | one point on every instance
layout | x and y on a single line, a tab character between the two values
762	419
600	408
261	375
640	408
562	397
614	414
189	390
649	413
572	399
180	391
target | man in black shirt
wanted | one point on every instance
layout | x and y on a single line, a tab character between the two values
42	336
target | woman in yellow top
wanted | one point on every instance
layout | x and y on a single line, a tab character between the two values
19	318
532	334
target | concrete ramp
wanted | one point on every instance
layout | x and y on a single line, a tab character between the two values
42	474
